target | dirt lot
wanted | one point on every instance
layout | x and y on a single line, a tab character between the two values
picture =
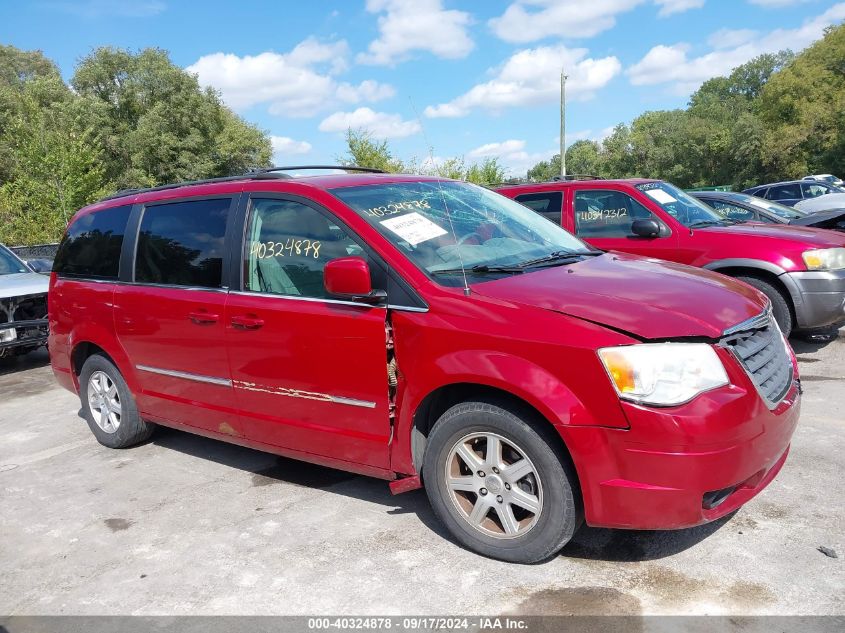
186	525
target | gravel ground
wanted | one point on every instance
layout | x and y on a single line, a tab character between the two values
187	525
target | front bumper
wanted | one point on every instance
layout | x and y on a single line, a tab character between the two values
818	297
23	333
668	468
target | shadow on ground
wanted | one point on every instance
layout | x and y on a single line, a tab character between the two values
267	470
33	360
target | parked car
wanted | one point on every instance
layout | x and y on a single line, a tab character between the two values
801	270
793	191
828	178
823	204
744	208
23	306
426	332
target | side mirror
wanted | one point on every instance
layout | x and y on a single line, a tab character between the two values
645	228
349	278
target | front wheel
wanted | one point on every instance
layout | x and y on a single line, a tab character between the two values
780	304
499	484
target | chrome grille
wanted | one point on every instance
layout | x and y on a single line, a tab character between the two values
761	350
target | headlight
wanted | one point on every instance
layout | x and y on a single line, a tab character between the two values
663	374
824	259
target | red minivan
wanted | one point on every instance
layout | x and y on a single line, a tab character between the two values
426	332
800	269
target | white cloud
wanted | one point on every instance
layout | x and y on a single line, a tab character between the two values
511	155
299	83
670	7
777	3
665	64
285	146
531	20
380	124
731	38
503	148
532	76
416	25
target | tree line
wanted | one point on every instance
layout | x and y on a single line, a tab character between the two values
130	120
779	116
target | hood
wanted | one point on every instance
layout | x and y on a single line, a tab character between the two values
19	284
806	235
834	219
648	298
822	203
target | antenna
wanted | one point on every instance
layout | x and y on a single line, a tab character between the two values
442	199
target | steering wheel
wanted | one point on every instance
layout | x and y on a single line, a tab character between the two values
469	235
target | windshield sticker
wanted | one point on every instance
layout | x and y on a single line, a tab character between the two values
397	207
413	228
661	196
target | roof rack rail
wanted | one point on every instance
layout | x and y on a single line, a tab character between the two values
256	174
268	170
576	177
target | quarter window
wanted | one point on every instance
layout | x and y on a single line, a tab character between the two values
546	204
601	213
287	247
181	243
92	243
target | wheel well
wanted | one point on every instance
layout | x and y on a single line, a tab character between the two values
763	275
440	400
82	352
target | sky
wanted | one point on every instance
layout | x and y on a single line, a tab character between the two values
436	78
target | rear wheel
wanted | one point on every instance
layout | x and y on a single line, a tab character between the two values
780	303
499	484
108	405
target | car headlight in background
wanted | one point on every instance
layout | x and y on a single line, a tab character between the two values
663	374
824	259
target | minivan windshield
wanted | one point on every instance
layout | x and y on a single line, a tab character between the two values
682	206
9	264
446	227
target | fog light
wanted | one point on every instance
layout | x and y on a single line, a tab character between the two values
9	334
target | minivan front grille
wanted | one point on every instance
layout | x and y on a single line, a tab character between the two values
761	350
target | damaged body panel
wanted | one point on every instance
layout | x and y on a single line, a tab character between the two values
23	306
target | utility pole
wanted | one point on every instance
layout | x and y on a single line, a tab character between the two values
562	125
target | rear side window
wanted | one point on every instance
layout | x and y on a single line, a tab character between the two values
92	243
546	204
181	244
784	192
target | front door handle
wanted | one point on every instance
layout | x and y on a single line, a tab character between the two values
201	317
247	322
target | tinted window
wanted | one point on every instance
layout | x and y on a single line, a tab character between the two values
600	213
287	247
784	192
182	243
92	243
546	204
814	190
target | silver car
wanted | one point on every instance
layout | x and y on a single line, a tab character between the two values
23	306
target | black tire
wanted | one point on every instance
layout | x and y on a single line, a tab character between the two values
131	429
560	512
780	303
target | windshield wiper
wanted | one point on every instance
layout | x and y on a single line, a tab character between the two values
479	269
561	257
703	223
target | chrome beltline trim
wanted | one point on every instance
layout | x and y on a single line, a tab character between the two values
212	380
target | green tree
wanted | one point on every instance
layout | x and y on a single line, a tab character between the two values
363	151
159	125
